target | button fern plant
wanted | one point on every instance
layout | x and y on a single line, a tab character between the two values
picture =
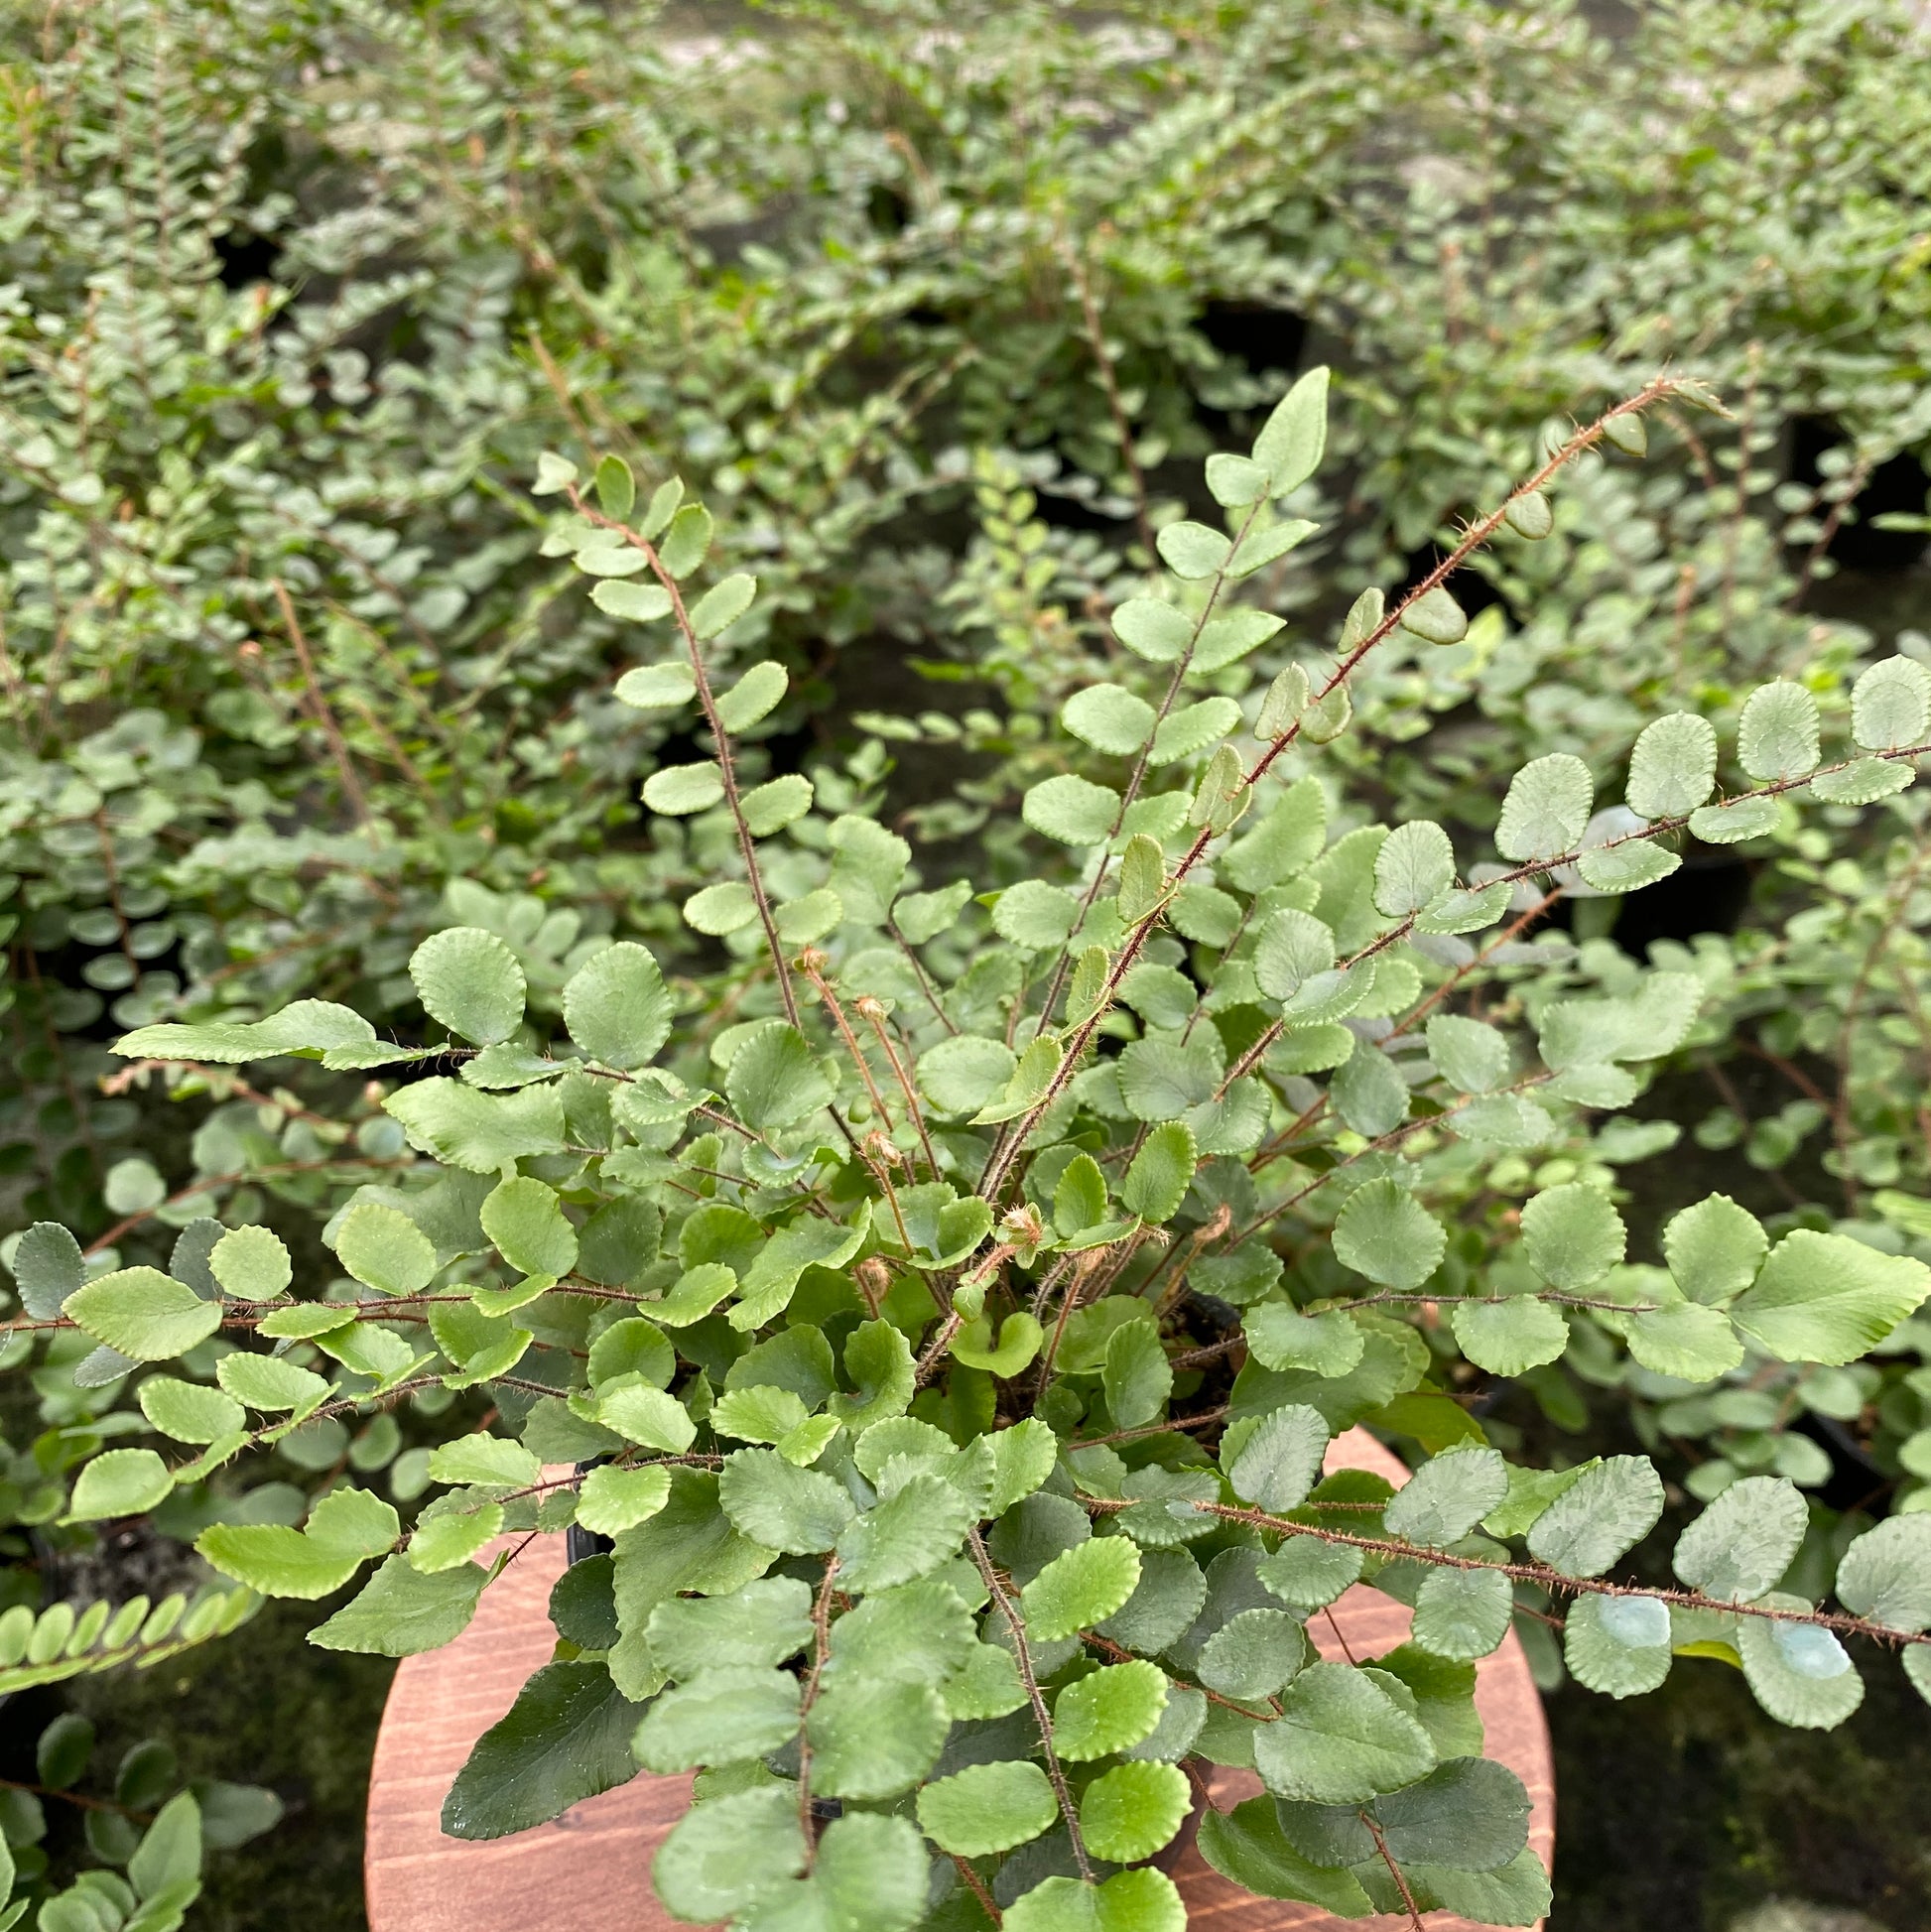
943	1298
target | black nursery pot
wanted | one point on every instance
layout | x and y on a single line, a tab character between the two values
1855	1481
578	1542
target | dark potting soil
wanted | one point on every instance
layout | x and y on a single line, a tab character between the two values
261	1707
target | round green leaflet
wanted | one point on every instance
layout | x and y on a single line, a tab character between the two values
1573	1235
1777	738
1082	1588
722	1716
1340	1738
119	1483
775	1081
381	1246
469	981
722	1853
1072	810
1387	1234
1618	1646
526	1220
1891	705
1546	808
1109	717
251	1265
988	1808
679	791
617	1008
1117	1705
1435	617
657	686
961	1074
1132	1811
1801	1675
143	1313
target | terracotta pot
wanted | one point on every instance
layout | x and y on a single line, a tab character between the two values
589	1871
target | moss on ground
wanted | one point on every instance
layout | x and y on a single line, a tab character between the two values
266	1706
1688	1807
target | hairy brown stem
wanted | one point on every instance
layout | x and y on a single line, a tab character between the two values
1049	1281
1023	1655
1205	1420
207	1182
1001	1163
912	959
812	963
1333	1623
708	704
347	1405
935	1348
318	704
1180	1260
1211	1352
1117	1259
821	1644
1395	1135
1733	1099
1119	1652
1556	1297
1513	931
1848	492
977	1884
1082	1271
1539	1573
1063	963
871	1011
1394	1871
228	1078
1899	899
